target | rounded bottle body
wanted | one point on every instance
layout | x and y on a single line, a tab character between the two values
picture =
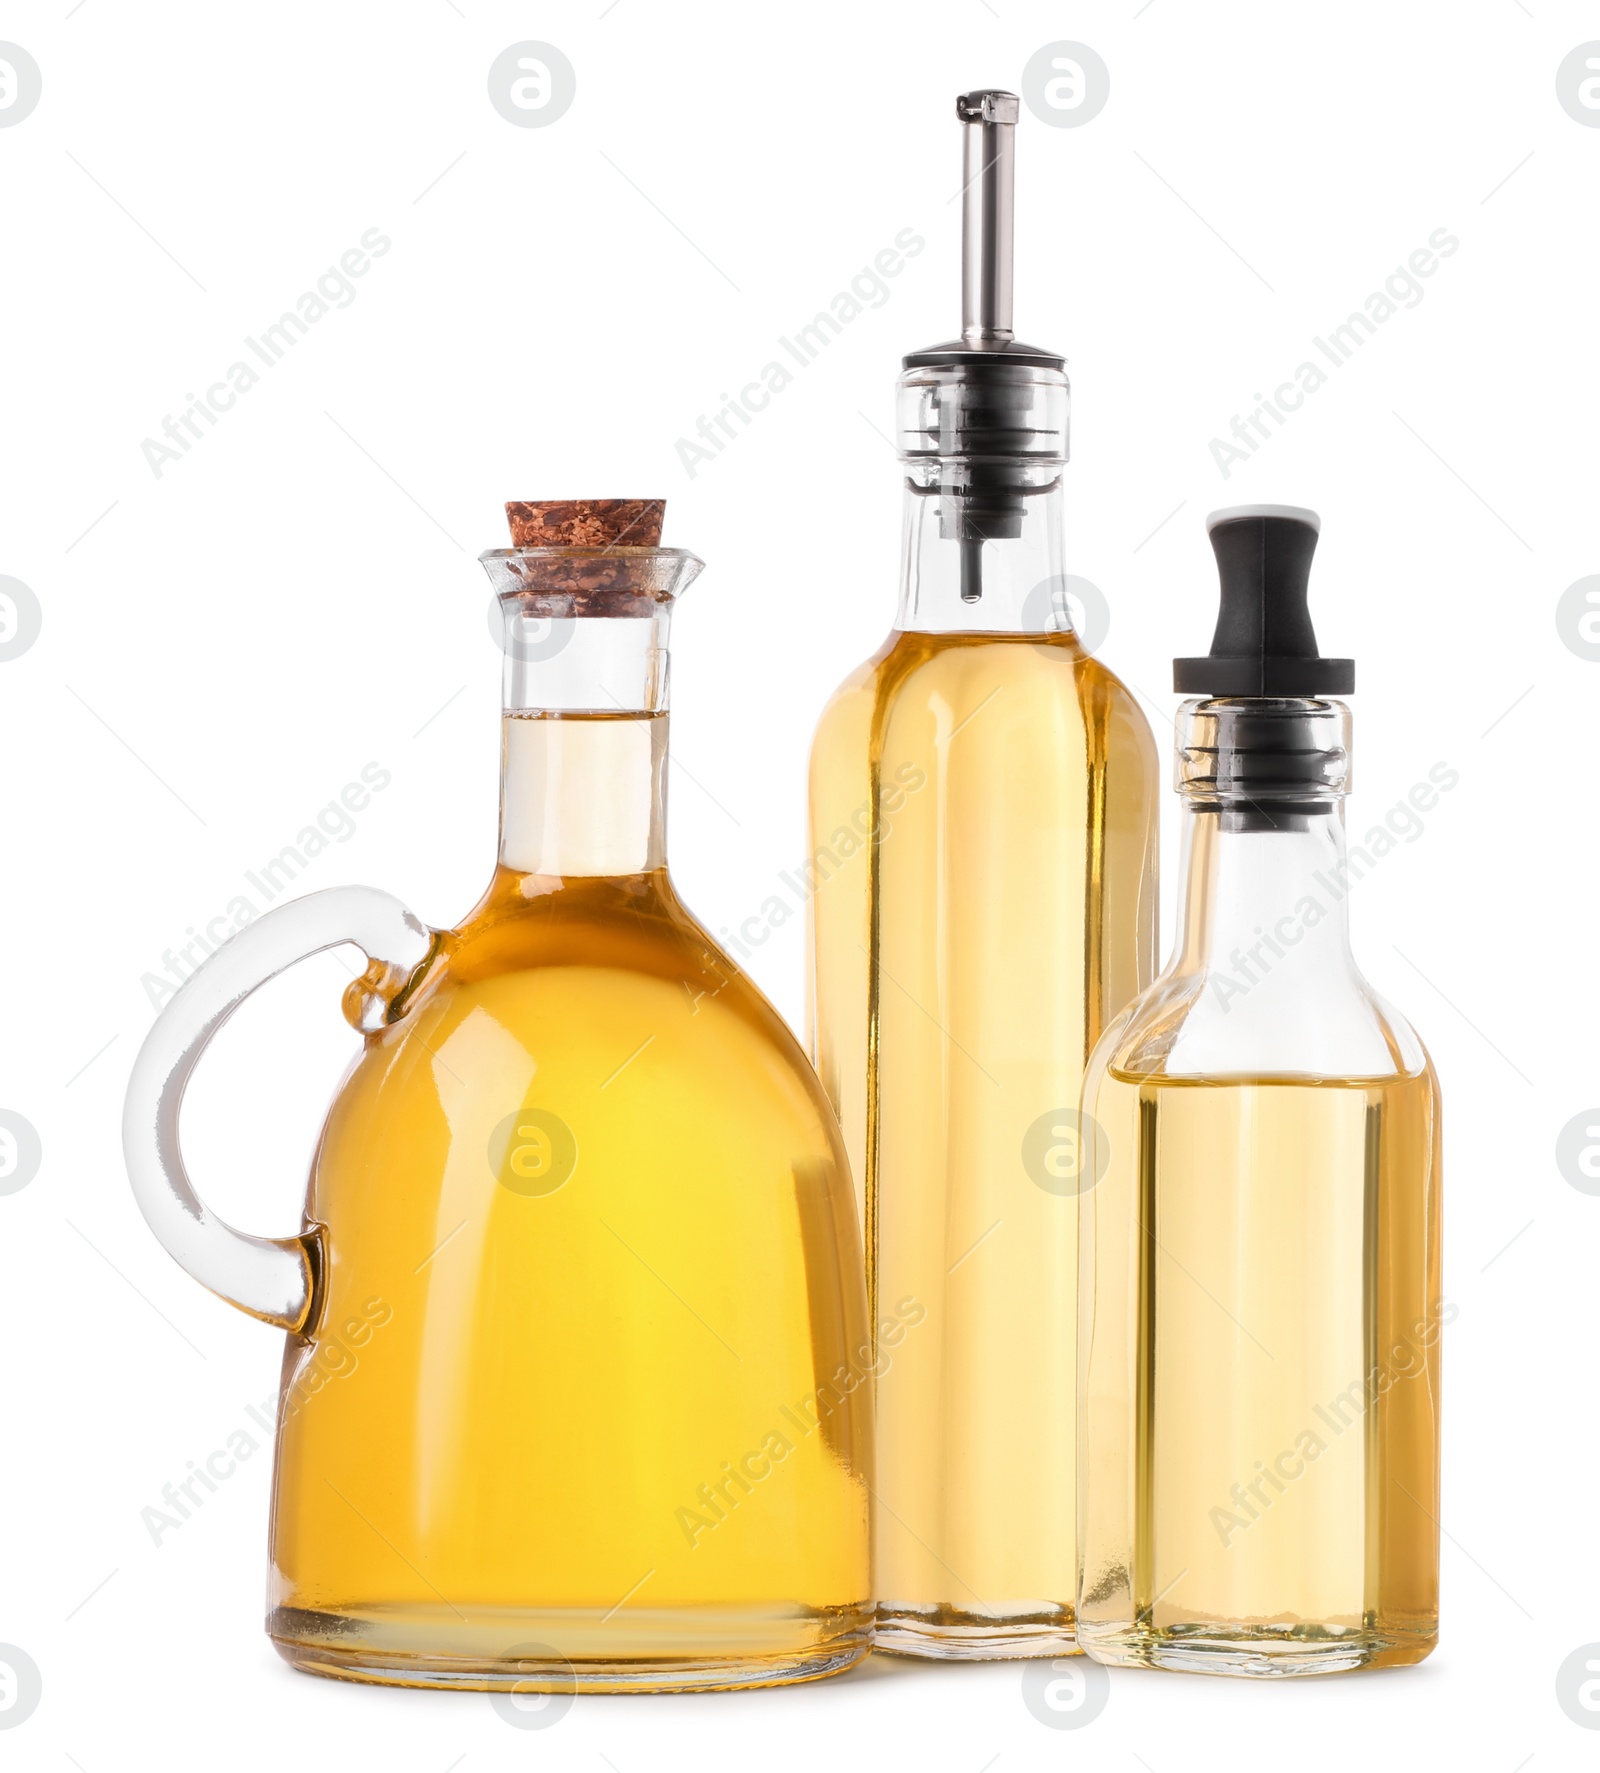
588	1368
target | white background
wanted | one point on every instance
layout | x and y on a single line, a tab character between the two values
225	646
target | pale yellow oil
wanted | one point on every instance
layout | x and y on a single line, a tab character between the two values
1261	1383
982	834
588	1383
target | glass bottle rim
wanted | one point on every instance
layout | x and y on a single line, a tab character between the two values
617	552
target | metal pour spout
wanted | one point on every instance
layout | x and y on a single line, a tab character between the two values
983	417
988	169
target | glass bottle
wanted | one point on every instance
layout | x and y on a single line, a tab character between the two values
574	1393
1259	1446
983	804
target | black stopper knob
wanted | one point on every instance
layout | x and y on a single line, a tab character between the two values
1264	644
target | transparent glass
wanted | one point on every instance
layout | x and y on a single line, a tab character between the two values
581	1395
982	816
1260	1297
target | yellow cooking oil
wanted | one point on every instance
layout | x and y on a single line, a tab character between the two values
586	1392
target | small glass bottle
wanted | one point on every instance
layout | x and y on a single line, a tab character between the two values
1260	1306
983	802
576	1387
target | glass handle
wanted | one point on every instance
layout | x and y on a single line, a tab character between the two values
269	1277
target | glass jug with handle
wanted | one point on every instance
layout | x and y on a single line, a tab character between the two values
575	1390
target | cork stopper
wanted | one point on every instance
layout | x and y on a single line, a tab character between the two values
586	557
585	523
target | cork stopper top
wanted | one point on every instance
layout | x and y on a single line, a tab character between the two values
588	557
585	523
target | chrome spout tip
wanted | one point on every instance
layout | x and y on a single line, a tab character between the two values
988	105
989	128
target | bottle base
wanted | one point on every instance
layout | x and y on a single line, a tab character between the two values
572	1650
1256	1652
946	1634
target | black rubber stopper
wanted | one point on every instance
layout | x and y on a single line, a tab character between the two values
1264	644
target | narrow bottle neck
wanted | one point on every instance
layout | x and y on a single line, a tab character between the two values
583	794
583	749
1266	904
1019	578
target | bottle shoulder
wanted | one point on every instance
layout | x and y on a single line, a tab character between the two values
604	947
844	727
913	667
1209	1023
